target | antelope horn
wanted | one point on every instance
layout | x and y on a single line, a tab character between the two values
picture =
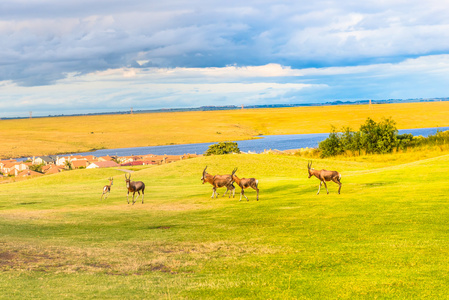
204	171
235	170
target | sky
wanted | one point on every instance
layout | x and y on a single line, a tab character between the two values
87	56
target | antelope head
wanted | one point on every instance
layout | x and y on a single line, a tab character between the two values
127	179
204	175
309	167
111	180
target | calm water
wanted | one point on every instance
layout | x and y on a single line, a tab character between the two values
279	142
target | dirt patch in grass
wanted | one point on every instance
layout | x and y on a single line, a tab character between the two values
22	257
25	258
6	258
124	259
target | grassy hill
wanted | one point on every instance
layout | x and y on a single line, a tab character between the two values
386	235
42	136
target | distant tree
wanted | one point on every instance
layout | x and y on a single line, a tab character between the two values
222	148
37	168
350	140
332	145
404	141
68	165
378	137
372	137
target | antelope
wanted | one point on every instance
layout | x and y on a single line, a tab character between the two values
219	181
324	176
107	188
133	187
245	183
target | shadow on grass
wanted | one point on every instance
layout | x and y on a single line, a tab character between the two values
280	188
163	227
378	183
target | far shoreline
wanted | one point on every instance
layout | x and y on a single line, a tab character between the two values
301	141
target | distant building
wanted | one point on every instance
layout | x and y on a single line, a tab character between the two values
79	163
45	160
106	158
52	169
28	173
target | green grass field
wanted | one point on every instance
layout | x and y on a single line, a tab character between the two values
386	235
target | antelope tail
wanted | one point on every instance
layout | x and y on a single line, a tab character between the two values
257	183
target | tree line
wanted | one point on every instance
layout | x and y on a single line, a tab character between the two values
375	138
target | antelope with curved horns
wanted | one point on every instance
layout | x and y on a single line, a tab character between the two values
324	176
133	187
245	183
219	181
107	188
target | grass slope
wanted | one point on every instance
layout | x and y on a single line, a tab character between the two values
28	137
386	235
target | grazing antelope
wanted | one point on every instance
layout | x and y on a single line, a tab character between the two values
133	187
324	176
107	188
245	183
219	181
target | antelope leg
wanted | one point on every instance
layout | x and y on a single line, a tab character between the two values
137	198
326	187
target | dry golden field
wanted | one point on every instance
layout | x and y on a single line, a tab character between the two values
41	136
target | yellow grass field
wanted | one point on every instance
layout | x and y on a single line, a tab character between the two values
44	136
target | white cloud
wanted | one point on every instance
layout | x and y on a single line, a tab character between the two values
119	52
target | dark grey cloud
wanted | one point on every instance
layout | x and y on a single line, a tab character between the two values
42	41
107	55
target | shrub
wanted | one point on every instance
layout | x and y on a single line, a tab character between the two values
372	138
37	168
404	141
378	137
332	145
222	148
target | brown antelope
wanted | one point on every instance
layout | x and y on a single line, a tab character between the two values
324	176
107	188
245	183
133	187
219	181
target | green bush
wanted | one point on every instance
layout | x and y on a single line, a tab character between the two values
371	138
37	168
222	148
404	141
332	145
